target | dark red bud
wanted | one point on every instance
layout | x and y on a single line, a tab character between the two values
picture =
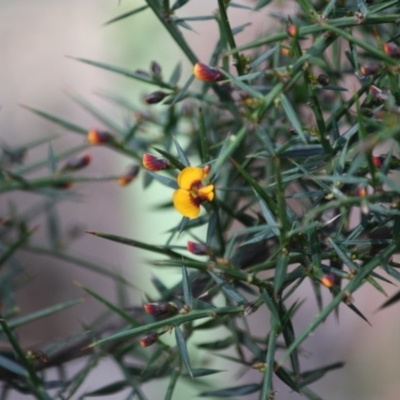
161	308
323	79
378	161
129	176
99	137
76	163
155	97
149	339
155	68
199	249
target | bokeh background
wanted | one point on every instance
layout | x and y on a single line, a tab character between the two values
35	38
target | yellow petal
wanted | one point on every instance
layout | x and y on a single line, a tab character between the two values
206	193
184	204
188	176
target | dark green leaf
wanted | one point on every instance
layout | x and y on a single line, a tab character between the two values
112	388
233	391
181	345
231	292
187	288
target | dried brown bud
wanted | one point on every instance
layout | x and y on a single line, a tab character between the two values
391	50
129	176
199	249
323	79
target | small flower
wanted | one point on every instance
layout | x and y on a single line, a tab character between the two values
76	163
161	308
129	176
198	249
99	137
206	73
369	68
328	280
153	163
149	339
323	79
155	97
191	192
292	30
391	50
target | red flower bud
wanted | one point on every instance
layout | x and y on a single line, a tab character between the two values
76	163
161	308
155	97
153	163
149	339
391	50
378	161
292	30
99	137
328	280
199	249
369	68
206	73
361	192
129	176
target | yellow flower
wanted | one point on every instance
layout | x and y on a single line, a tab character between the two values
192	192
